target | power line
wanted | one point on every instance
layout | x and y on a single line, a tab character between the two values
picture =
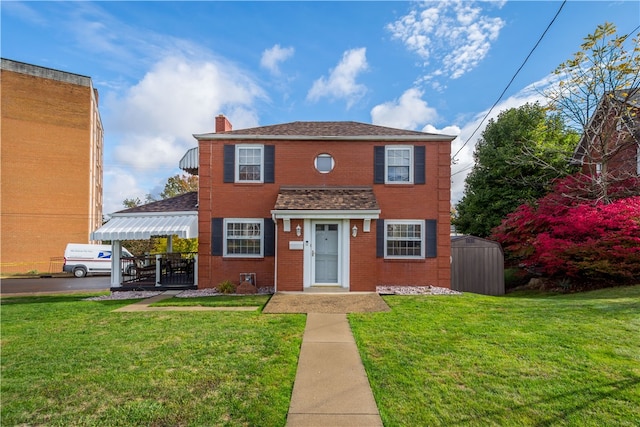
463	169
471	165
512	79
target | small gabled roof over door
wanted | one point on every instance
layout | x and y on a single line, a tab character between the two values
326	202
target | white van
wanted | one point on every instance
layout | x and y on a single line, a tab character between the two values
82	259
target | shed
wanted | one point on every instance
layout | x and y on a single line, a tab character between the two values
477	265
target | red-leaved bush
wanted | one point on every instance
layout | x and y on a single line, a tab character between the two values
564	236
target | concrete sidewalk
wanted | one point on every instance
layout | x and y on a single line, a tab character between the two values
331	386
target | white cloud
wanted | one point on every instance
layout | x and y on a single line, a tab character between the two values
341	83
151	125
453	35
271	58
408	112
451	130
119	184
175	99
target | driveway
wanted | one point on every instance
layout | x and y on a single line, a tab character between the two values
54	285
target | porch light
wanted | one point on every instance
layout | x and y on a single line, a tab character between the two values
298	230
354	231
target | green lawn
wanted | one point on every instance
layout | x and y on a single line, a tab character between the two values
68	362
523	359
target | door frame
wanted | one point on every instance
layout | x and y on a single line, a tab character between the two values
314	263
343	252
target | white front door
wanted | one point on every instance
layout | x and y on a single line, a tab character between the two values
326	254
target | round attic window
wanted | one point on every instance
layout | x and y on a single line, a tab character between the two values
324	163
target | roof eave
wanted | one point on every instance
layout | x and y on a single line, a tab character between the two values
244	137
326	213
167	213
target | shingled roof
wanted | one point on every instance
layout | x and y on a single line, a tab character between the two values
183	203
325	130
326	198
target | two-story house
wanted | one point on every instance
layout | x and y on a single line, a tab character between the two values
334	204
610	143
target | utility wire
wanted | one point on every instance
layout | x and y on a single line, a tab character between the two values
466	168
511	81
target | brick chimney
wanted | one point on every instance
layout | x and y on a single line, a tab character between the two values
222	124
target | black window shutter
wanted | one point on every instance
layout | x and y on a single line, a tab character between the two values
229	174
269	163
378	165
432	238
269	237
419	176
380	238
217	229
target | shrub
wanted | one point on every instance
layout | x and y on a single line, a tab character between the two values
563	236
514	277
227	287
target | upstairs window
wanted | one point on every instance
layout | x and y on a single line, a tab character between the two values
249	163
324	163
399	165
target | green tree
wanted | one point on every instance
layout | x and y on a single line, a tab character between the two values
175	186
134	202
597	95
179	184
507	169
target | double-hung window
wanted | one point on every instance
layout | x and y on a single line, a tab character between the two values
404	239
249	163
399	165
243	237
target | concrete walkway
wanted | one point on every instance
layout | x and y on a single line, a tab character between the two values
331	386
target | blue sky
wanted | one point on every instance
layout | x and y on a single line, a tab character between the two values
164	70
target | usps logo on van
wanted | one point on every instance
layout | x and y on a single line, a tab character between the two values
104	255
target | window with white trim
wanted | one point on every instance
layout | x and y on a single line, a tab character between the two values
404	239
243	237
399	165
249	163
324	163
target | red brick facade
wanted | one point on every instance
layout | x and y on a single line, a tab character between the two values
51	165
361	266
610	144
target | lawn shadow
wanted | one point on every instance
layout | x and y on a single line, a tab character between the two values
591	396
616	292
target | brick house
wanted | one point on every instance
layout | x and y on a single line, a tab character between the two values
610	144
312	204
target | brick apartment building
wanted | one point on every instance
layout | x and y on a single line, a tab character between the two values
308	204
51	165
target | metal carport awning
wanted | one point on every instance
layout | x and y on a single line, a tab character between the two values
143	226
